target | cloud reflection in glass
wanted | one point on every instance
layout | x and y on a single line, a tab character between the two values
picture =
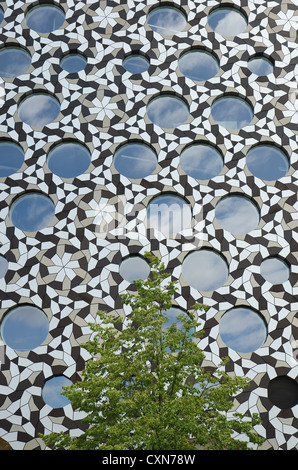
39	109
73	62
237	214
167	111
69	159
32	212
275	270
135	160
232	112
45	18
267	162
134	267
261	66
169	214
198	65
201	161
205	270
14	61
136	63
167	20
11	158
227	22
52	389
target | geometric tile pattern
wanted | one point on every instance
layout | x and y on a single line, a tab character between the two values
69	271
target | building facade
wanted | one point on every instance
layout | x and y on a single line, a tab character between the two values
113	111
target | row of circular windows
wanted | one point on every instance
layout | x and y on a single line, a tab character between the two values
201	160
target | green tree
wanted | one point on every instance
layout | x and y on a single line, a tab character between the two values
145	387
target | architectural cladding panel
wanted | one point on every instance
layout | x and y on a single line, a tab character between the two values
69	266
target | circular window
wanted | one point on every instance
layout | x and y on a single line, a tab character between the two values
52	389
267	162
133	268
32	212
227	21
260	66
198	65
14	61
69	159
243	330
283	392
275	270
237	214
173	318
167	111
205	270
39	109
24	328
1	15
3	266
73	62
45	18
232	112
136	63
167	20
11	158
201	161
169	214
135	160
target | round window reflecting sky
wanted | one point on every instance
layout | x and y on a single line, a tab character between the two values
45	18
3	266
237	214
167	20
24	328
69	159
11	158
198	65
260	66
136	63
201	161
14	61
167	111
275	270
227	21
232	112
1	15
39	109
133	268
242	329
51	392
73	62
32	212
205	270
135	160
169	214
267	162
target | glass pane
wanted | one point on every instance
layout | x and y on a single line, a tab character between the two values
260	66
205	270
172	315
227	21
134	268
39	110
1	15
274	270
45	18
167	111
283	392
232	112
24	328
11	158
237	214
201	161
69	160
267	162
167	21
51	392
136	63
32	212
73	62
14	61
198	65
242	330
3	266
135	160
169	214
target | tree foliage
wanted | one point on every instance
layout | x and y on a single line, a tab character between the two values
145	387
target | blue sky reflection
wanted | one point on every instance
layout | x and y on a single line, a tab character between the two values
32	212
73	62
275	270
133	268
232	112
39	109
237	214
45	18
14	61
198	65
136	63
205	270
227	22
51	392
11	158
167	111
201	161
69	159
267	162
169	214
135	160
260	66
167	21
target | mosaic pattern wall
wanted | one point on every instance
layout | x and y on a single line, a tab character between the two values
71	267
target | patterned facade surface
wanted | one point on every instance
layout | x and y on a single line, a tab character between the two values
69	271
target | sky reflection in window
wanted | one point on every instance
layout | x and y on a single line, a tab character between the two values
205	270
232	112
73	62
167	20
227	22
24	328
136	63
167	111
3	266
1	15
69	159
243	330
198	65
260	66
32	212
45	18
133	268
14	61
39	109
11	158
51	392
275	270
169	214
135	160
201	161
237	214
267	162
